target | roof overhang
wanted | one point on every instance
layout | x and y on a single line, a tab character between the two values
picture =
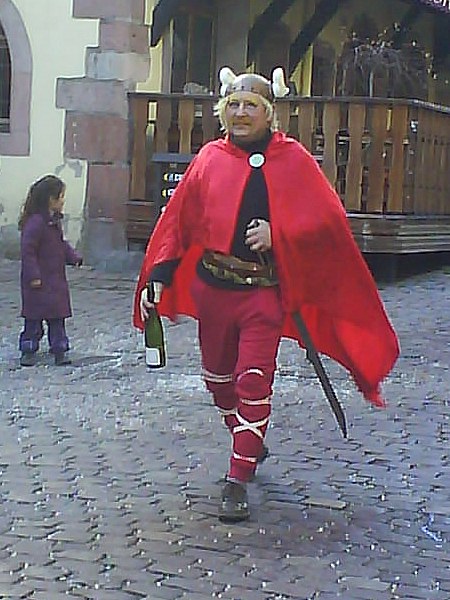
440	5
163	13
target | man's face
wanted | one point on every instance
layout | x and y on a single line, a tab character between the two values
245	116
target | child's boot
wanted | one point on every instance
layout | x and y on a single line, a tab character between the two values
62	358
28	359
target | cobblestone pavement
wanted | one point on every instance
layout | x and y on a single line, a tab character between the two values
110	475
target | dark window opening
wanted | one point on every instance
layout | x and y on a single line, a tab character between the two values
5	82
193	60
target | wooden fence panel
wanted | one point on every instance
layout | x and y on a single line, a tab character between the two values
306	113
406	170
139	111
163	121
446	169
185	125
377	174
284	115
422	162
399	130
432	187
209	121
353	185
331	121
441	149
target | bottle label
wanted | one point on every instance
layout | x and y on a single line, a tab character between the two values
153	357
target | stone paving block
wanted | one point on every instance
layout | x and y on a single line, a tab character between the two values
206	587
126	467
142	583
49	595
330	503
232	577
159	592
7	576
170	565
242	593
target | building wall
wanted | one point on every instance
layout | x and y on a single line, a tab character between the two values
86	56
55	51
153	81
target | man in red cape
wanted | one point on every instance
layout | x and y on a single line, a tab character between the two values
253	234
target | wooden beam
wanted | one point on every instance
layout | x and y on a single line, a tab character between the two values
162	14
266	19
443	6
322	15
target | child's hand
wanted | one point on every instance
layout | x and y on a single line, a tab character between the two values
35	283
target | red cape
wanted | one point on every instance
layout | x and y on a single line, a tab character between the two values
321	270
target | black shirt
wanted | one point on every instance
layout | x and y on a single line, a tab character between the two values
254	205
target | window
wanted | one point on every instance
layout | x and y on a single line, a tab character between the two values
5	82
16	67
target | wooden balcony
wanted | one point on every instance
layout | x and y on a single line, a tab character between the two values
389	161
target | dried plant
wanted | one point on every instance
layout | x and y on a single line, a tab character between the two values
376	68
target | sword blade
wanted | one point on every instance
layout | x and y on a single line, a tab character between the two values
314	358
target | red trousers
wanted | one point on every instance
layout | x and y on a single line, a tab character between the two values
239	334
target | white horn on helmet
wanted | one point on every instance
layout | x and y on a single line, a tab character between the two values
226	78
279	87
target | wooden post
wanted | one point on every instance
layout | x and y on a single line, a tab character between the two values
185	125
284	115
163	119
397	171
421	162
377	174
139	112
306	114
209	121
353	184
331	118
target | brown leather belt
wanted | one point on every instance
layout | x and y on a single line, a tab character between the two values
243	272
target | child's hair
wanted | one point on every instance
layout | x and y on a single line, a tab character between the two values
39	195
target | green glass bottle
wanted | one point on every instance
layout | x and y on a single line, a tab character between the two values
155	350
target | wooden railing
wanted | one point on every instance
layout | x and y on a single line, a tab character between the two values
383	156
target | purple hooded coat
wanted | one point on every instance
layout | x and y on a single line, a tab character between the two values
45	254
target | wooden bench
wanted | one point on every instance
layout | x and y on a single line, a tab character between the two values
141	219
398	245
401	234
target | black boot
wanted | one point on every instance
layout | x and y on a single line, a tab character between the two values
28	359
234	504
61	359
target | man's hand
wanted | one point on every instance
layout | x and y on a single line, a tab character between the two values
258	235
145	306
35	283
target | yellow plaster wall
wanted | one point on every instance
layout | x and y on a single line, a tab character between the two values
58	44
296	17
153	83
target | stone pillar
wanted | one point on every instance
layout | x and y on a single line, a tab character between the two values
232	35
98	122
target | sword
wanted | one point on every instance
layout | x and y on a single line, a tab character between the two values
313	357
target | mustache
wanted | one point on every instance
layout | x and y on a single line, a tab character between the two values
241	122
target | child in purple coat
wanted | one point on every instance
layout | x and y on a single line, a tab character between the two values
44	288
